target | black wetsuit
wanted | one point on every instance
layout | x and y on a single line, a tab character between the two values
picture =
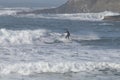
68	35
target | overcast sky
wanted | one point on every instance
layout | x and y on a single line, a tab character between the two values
31	3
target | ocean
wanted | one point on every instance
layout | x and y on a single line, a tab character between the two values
33	46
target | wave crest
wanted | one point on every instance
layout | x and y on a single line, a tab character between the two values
19	37
75	16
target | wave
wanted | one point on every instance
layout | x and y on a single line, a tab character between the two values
4	12
20	36
44	36
14	37
58	67
12	11
76	16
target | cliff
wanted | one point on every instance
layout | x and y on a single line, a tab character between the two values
78	6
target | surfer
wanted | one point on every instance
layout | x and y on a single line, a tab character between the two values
67	34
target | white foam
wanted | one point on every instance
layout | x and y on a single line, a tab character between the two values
75	16
20	37
7	12
12	11
59	67
37	36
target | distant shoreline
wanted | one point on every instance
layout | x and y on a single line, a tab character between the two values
80	6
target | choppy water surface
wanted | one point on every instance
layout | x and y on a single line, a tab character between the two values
33	47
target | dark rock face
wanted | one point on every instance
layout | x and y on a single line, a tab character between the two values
80	6
112	18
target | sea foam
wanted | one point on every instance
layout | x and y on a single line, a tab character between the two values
19	37
75	16
59	67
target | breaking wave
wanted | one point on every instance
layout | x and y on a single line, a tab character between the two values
76	16
38	36
59	67
12	11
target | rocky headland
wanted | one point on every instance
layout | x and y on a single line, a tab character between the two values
83	6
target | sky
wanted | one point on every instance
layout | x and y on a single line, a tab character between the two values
31	3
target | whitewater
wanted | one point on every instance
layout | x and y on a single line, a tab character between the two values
75	16
33	46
